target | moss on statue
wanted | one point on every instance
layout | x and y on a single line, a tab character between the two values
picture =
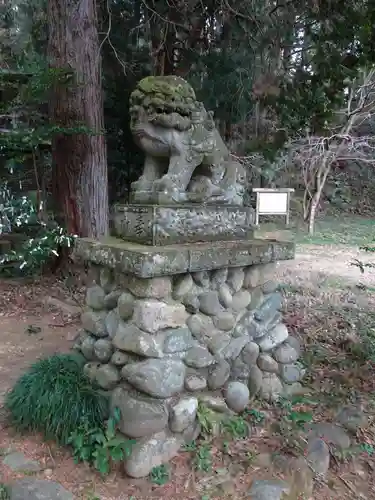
171	87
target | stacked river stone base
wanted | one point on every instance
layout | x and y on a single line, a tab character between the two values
160	345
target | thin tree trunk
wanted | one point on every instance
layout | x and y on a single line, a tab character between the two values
79	159
313	209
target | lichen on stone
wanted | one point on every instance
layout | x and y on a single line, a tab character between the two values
166	94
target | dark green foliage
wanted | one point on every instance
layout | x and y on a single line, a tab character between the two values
4	492
100	446
54	397
160	475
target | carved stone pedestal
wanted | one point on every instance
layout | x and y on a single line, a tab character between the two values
168	224
170	326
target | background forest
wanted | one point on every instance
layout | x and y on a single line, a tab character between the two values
291	84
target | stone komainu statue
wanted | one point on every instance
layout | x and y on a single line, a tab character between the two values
186	159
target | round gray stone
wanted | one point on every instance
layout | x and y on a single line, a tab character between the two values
107	376
112	322
87	348
218	278
241	300
195	383
330	433
125	305
94	322
250	353
237	396
273	338
252	277
191	303
201	278
183	285
269	307
273	489
130	338
267	363
318	456
111	300
201	326
352	418
160	378
152	315
38	489
295	343
235	278
271	388
91	370
178	340
240	370
219	342
209	303
215	403
95	297
285	354
292	373
157	288
120	358
224	321
257	298
255	380
140	415
106	279
199	357
225	296
103	350
150	452
17	462
218	375
234	348
183	414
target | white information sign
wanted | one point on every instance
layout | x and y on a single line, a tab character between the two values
272	202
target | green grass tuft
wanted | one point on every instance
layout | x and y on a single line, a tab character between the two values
54	397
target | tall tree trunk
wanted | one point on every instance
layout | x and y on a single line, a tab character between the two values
79	159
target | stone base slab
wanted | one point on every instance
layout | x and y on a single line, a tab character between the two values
176	198
147	262
164	225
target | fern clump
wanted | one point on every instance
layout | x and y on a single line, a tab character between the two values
54	397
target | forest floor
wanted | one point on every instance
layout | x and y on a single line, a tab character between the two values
330	307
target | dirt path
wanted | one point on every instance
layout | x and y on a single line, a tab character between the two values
316	262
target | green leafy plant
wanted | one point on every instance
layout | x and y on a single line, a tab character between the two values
19	213
206	418
256	416
237	427
300	418
203	460
189	446
4	492
54	397
100	446
160	475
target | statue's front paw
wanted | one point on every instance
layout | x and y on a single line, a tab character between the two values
142	184
165	185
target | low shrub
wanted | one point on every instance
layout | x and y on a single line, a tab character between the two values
100	446
54	397
4	492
